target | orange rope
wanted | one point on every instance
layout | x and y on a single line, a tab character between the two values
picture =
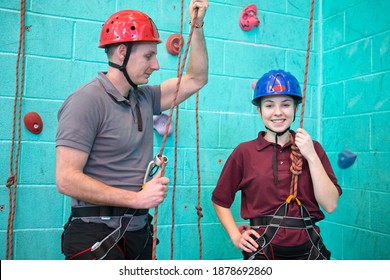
296	157
198	207
174	184
13	179
166	133
176	137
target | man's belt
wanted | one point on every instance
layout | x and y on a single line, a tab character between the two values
287	222
106	211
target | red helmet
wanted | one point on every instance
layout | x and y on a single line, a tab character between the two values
128	26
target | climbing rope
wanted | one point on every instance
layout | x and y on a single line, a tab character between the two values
296	156
168	123
12	181
198	207
176	137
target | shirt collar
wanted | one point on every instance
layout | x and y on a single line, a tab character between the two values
110	89
262	143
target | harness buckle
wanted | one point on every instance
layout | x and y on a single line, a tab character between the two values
276	221
154	165
308	222
292	198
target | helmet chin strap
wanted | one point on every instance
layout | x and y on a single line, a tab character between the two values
275	155
122	68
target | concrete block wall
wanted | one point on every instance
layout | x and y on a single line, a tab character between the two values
61	53
355	114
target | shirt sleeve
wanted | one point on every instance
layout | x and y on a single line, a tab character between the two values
327	165
229	181
78	121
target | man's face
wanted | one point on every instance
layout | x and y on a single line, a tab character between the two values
142	62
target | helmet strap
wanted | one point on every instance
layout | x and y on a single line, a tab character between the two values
275	154
122	67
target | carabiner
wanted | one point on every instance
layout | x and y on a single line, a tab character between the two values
154	165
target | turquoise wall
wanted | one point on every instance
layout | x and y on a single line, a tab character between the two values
347	106
355	107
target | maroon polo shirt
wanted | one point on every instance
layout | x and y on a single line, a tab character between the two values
249	170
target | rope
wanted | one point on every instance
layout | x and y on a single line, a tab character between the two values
296	156
13	179
176	137
198	207
174	184
166	132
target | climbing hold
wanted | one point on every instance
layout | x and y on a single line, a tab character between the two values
174	44
254	83
346	159
33	122
248	18
159	124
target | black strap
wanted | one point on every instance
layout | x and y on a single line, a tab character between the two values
275	156
122	67
287	222
268	235
318	247
137	108
106	211
277	220
100	249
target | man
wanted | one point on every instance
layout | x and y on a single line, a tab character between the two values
105	139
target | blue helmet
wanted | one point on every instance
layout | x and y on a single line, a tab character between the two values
277	82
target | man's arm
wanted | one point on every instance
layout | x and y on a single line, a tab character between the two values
72	181
196	75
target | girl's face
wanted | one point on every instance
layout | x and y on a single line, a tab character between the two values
277	112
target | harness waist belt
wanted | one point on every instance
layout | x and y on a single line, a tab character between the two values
106	211
289	222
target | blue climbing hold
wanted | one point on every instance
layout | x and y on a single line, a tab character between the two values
346	159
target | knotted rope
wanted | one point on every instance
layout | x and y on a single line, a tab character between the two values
12	181
176	137
296	156
198	207
168	123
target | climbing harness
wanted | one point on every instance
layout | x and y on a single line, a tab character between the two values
101	248
279	219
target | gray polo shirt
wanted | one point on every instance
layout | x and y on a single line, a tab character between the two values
98	120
